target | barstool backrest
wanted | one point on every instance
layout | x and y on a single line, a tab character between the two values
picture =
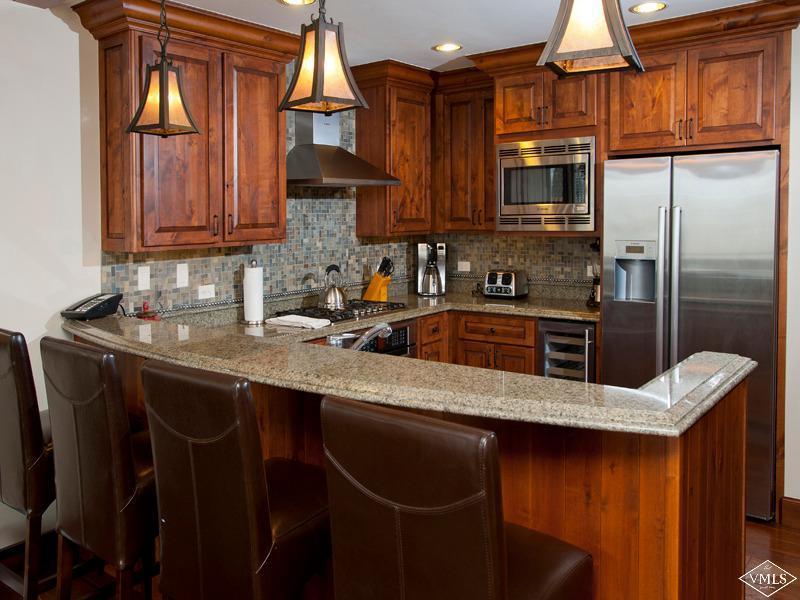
95	477
415	505
21	441
212	490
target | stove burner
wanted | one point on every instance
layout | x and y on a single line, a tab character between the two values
355	309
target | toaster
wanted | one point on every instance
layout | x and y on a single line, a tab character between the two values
506	284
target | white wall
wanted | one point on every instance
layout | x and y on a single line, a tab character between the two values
792	473
49	170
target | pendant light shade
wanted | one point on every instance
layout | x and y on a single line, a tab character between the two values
162	110
589	36
322	80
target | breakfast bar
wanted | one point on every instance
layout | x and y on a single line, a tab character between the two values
641	479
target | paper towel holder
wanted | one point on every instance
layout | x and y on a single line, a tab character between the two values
253	264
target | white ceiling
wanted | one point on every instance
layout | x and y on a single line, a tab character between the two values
405	30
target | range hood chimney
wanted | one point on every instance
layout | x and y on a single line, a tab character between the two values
317	160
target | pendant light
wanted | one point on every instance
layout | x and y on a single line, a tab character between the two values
162	110
589	36
322	80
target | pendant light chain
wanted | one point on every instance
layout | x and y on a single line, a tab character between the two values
163	31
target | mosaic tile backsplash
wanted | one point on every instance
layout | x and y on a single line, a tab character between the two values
320	230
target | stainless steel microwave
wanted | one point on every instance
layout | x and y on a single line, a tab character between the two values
546	185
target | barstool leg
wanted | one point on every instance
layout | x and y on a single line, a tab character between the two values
64	577
148	566
124	584
33	551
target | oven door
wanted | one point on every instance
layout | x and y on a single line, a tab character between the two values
545	185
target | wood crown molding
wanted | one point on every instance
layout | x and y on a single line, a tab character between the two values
392	71
107	17
756	17
462	79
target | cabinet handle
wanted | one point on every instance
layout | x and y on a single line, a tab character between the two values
230	224
480	216
545	110
495	361
691	129
473	216
680	129
394	216
539	116
215	230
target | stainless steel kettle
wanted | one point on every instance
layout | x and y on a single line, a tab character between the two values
333	297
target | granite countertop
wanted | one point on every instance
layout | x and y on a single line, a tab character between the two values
667	406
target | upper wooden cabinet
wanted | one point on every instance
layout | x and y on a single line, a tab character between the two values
225	186
538	100
715	94
395	134
464	159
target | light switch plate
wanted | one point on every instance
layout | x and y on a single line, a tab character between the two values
463	266
182	275
143	275
204	292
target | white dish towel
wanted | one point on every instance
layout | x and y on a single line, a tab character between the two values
299	321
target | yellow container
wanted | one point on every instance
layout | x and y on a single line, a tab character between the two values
378	289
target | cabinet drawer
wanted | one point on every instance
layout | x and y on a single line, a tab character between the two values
433	328
504	330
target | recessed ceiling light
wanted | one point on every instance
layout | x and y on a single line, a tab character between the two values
296	2
647	7
447	47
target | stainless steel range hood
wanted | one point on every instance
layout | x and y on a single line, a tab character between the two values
317	160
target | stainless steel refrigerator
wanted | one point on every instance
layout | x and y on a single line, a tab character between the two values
689	264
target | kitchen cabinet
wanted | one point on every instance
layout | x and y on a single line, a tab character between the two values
496	342
464	159
222	187
714	94
394	134
538	100
433	338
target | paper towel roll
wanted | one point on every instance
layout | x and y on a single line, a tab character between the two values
253	293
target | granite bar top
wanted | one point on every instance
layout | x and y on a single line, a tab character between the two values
666	406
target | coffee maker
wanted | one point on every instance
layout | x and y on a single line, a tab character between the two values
431	264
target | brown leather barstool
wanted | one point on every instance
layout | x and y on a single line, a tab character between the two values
26	454
416	512
104	475
232	525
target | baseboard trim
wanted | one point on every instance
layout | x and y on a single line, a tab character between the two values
790	512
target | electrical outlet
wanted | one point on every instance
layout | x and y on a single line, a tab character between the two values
204	292
143	275
463	266
182	275
589	271
183	333
146	333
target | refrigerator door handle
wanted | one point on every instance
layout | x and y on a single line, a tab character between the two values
661	275
675	285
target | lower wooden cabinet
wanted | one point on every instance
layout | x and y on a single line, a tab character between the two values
474	354
483	341
514	359
434	351
433	339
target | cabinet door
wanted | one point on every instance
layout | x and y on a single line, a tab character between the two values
569	101
731	91
648	110
434	351
518	102
514	359
255	157
181	176
475	354
410	202
463	157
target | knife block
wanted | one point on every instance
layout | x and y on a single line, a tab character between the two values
378	289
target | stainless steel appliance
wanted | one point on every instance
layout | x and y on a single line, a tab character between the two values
689	265
399	339
566	350
506	284
546	185
354	309
431	265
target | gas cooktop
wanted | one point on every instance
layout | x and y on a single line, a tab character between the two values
355	309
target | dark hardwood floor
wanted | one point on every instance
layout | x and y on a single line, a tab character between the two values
781	545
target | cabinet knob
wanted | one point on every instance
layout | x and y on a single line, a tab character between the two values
435	329
492	330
